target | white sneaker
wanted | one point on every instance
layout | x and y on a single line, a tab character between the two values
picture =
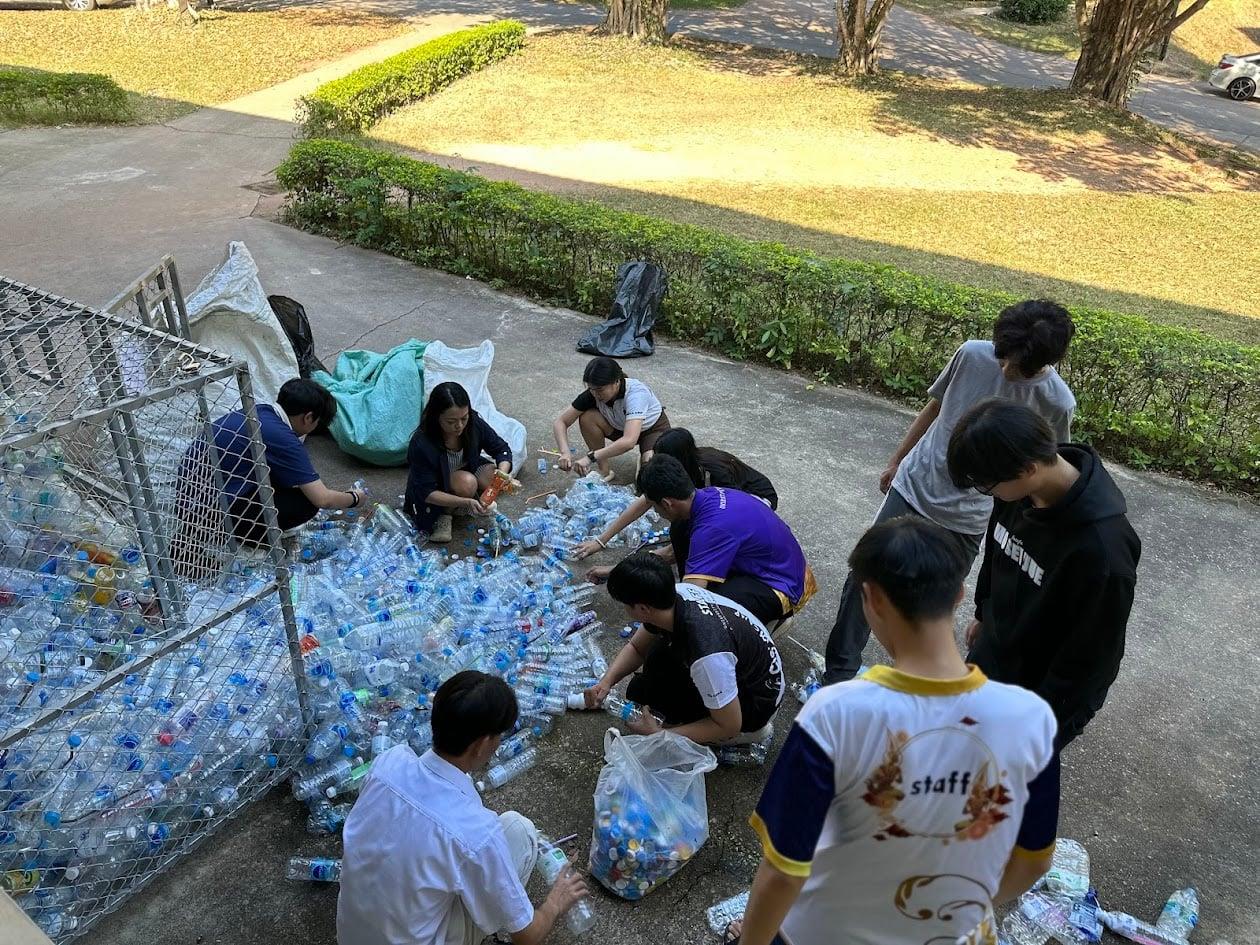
441	533
761	736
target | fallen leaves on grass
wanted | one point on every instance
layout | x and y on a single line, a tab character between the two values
1023	190
173	64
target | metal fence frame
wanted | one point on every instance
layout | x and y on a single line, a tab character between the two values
116	412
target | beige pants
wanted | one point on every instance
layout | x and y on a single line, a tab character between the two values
522	842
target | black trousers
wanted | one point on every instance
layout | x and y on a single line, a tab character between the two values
292	509
665	685
755	596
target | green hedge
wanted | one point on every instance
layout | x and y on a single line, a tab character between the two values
1150	395
1032	11
357	101
29	97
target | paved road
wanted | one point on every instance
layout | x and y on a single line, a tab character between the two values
1161	789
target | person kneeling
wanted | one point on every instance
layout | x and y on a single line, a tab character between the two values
709	666
425	863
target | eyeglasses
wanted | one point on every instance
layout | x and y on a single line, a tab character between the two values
985	489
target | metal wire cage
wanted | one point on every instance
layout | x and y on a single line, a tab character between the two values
150	673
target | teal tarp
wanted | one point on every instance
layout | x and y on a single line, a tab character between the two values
379	398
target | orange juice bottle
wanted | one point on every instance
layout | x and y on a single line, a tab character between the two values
499	483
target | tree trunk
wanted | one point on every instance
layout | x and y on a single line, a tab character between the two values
643	20
858	30
1113	40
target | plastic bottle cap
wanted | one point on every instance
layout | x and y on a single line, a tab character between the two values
52	818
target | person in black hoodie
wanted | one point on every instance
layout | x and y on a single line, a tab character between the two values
447	462
1060	561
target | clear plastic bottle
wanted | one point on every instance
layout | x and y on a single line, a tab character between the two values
1180	916
313	784
624	710
550	864
1018	929
501	774
1068	876
1135	930
314	869
326	818
742	756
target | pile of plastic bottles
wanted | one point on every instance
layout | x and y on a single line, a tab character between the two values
582	513
1064	907
633	851
385	624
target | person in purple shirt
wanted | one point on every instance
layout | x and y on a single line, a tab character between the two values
729	542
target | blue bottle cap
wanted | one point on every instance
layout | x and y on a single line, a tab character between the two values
52	818
75	740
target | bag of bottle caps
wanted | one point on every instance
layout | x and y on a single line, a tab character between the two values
651	816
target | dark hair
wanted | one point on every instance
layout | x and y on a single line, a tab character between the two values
601	371
300	395
469	706
1033	334
642	578
917	563
995	441
446	395
663	477
680	444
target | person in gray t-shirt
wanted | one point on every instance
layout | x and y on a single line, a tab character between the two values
1028	339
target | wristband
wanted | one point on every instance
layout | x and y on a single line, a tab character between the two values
591	456
601	542
354	499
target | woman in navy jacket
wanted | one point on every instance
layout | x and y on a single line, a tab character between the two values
452	458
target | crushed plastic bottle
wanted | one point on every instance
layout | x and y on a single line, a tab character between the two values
727	911
1180	915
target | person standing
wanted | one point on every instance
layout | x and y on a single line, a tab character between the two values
1060	561
425	863
615	414
453	456
907	803
1018	364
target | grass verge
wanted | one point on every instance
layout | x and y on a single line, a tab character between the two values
1026	191
171	66
30	97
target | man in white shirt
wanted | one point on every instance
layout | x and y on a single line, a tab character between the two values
906	803
425	862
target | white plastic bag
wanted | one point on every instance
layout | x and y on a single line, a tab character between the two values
228	312
470	367
651	814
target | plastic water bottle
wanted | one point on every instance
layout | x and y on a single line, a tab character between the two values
727	911
599	665
326	818
742	756
314	869
501	774
1068	876
624	710
542	466
312	785
1135	930
551	863
1180	916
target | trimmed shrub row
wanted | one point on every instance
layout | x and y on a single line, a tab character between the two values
357	101
1152	396
56	98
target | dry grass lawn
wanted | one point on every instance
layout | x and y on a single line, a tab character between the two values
171	65
1223	26
1022	190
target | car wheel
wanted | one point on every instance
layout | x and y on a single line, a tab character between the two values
79	6
1239	90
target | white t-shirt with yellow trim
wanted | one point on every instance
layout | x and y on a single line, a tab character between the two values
901	798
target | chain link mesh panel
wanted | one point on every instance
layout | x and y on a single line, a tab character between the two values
147	645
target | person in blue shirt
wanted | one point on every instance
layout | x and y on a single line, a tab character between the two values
301	407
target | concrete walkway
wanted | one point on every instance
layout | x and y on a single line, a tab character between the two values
1161	788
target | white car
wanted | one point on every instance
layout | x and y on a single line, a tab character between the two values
1237	76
